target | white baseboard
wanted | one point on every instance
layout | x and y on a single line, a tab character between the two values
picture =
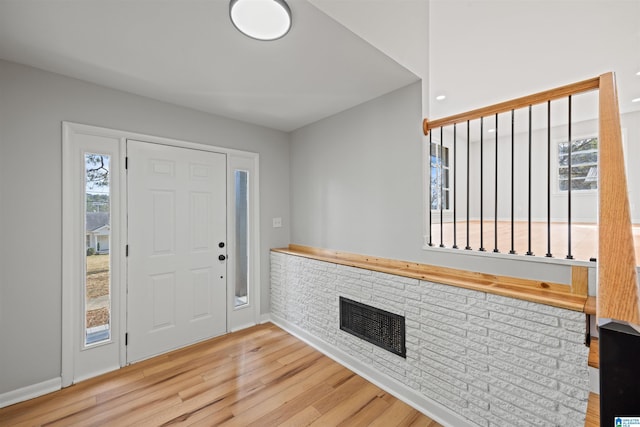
241	327
30	392
418	401
264	318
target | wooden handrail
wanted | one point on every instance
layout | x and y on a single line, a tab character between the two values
618	292
514	104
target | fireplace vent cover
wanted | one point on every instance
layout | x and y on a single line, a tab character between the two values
379	327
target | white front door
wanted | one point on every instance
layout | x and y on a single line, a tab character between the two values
177	277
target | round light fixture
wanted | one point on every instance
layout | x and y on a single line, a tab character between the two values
261	19
441	97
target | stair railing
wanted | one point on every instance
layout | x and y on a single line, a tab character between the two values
618	294
492	113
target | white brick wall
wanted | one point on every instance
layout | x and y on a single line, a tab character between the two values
496	361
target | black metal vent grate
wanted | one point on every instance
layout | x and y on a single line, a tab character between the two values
379	327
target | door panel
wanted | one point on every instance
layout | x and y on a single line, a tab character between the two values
177	217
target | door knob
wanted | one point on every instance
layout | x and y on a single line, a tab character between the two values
222	257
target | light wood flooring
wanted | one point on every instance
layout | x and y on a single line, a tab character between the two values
584	238
261	376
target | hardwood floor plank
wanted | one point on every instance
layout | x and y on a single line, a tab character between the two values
594	353
206	418
300	377
217	397
237	385
295	355
340	394
350	406
367	414
420	420
247	364
202	407
302	418
68	396
396	412
593	411
291	403
340	377
260	376
53	413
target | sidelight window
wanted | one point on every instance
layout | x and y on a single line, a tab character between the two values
97	283
241	238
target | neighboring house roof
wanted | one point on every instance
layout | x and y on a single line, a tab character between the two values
102	231
96	220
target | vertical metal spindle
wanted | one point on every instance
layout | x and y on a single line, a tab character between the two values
455	172
430	188
481	185
441	168
529	188
513	126
495	198
468	157
549	255
569	256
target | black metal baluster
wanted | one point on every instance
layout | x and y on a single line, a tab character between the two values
569	256
495	207
430	188
529	188
481	181
455	191
513	126
468	157
549	255
441	159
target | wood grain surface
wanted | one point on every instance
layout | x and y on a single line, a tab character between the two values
261	376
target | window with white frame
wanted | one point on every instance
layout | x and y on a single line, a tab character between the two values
584	164
440	193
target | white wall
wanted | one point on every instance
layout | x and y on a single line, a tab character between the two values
356	179
33	103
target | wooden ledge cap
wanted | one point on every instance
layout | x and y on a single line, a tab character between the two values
553	294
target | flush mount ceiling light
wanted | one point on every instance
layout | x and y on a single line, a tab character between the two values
261	19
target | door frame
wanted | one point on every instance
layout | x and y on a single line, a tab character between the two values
71	261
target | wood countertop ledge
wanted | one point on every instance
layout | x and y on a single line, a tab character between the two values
572	297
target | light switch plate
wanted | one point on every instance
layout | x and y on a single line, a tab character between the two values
277	222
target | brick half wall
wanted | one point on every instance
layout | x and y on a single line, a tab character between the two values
492	360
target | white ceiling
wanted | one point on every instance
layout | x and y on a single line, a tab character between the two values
487	51
187	52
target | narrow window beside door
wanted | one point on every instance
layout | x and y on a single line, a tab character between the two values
242	238
97	284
